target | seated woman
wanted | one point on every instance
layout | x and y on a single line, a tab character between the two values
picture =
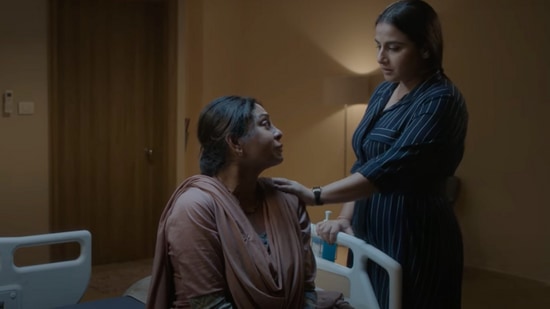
227	238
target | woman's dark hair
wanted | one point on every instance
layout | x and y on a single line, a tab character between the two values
225	116
420	23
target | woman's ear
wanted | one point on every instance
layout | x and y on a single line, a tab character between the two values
234	144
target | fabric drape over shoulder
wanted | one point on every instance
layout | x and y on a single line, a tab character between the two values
206	245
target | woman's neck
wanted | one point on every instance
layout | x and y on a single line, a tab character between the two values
238	182
244	186
406	86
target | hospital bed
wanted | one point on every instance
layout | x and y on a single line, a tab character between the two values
47	285
354	282
62	284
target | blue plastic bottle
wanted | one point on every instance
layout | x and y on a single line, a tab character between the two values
322	248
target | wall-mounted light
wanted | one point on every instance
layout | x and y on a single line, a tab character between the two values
186	132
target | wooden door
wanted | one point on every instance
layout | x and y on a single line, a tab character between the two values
112	97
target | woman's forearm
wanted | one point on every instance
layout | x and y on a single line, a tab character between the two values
347	211
348	189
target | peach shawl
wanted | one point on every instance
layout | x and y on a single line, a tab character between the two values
227	245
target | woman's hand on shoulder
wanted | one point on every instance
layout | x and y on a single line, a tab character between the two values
328	230
294	187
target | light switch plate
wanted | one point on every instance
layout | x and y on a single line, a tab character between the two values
26	108
8	102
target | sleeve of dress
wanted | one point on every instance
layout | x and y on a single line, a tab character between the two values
194	247
421	152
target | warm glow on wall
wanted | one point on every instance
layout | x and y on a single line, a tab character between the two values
350	91
342	30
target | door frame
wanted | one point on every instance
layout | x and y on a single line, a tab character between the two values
169	116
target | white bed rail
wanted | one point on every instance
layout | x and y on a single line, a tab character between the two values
360	293
48	285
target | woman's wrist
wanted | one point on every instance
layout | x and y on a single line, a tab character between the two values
317	196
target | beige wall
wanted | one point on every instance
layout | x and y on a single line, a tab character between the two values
497	51
24	166
279	52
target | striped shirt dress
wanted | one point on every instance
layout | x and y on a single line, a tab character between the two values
408	151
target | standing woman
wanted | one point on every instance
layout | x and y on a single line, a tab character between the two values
410	140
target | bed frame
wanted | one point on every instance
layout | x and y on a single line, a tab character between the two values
354	282
48	285
62	284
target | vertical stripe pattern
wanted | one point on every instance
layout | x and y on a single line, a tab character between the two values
408	151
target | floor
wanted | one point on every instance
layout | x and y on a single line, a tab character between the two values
113	280
481	289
